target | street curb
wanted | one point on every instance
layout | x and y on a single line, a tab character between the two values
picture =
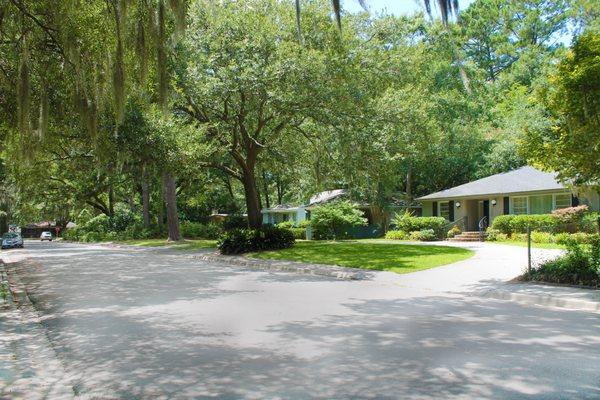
546	301
330	271
56	385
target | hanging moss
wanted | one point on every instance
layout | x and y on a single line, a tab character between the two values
43	119
178	7
162	57
119	71
23	92
142	51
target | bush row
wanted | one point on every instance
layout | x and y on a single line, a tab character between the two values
543	237
269	237
563	220
580	266
407	223
425	235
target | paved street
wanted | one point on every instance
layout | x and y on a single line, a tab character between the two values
151	323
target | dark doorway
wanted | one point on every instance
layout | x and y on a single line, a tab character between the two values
486	212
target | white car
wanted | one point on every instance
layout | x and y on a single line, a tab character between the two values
46	236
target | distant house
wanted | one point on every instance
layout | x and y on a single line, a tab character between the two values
298	213
522	191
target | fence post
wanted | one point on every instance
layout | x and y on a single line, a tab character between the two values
528	249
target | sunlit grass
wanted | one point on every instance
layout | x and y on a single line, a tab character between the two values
187	244
399	258
533	245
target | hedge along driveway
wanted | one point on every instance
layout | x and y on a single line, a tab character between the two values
399	258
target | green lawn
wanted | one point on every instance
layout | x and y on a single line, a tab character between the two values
533	245
399	258
191	244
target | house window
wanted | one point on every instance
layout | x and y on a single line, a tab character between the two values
541	204
562	200
444	210
519	205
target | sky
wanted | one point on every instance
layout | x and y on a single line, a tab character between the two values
396	7
408	7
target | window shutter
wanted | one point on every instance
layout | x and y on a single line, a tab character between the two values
574	201
506	206
451	211
434	208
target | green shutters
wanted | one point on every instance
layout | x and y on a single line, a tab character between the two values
506	202
434	208
451	211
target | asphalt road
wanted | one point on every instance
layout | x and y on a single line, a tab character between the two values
136	324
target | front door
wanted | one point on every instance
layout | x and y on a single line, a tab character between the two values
486	212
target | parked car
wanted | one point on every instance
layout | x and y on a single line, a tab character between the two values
12	240
46	236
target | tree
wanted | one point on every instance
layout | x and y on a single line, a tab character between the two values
330	220
244	95
570	146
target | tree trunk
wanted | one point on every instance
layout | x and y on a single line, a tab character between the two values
171	201
145	200
409	185
266	189
252	200
111	201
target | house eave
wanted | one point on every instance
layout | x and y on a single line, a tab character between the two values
500	194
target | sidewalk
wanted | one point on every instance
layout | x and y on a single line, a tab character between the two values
547	295
29	368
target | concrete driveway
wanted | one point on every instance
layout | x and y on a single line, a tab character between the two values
151	323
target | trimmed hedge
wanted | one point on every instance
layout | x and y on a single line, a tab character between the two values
268	237
509	224
425	235
412	224
396	235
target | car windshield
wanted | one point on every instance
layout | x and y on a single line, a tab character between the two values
9	236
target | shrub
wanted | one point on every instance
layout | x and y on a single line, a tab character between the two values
582	238
502	224
196	230
99	224
331	220
570	215
247	240
455	230
304	224
542	237
232	222
580	266
590	223
299	233
539	222
425	235
396	235
494	235
408	223
286	225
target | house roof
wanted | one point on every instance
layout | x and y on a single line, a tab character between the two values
326	196
280	208
521	180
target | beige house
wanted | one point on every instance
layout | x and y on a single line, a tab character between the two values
522	191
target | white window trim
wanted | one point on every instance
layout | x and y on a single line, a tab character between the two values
512	204
561	194
511	199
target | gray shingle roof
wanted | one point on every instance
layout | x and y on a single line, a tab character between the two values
326	196
524	179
